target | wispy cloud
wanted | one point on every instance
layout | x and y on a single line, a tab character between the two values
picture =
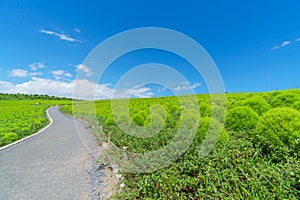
35	73
85	69
187	86
283	44
61	36
298	39
77	30
60	74
20	73
140	92
37	65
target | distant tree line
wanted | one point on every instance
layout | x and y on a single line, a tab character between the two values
5	96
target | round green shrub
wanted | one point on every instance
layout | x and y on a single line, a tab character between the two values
157	110
203	107
174	109
154	123
9	138
213	127
25	130
174	112
123	119
138	118
296	105
280	126
285	99
37	123
241	118
109	121
258	104
189	119
218	112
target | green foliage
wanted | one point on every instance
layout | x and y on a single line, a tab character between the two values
235	170
217	112
9	138
281	126
258	104
189	119
139	118
214	128
296	105
242	166
286	98
123	120
241	118
203	107
109	121
154	123
29	97
23	117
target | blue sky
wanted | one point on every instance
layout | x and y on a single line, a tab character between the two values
43	44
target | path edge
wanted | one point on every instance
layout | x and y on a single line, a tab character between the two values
32	135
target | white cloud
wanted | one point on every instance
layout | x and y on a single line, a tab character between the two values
61	36
43	86
85	69
186	86
37	65
5	86
35	73
283	44
84	89
39	86
59	74
77	30
298	39
21	73
141	92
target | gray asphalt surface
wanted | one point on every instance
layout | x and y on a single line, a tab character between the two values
51	165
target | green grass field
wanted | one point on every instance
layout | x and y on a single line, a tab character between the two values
23	115
255	157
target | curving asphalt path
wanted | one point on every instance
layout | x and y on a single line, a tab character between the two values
53	164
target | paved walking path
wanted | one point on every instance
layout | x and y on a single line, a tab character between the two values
51	165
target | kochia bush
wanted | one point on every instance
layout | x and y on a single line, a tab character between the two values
241	118
109	121
154	123
281	126
258	104
217	112
213	127
285	99
296	105
139	118
203	107
9	138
